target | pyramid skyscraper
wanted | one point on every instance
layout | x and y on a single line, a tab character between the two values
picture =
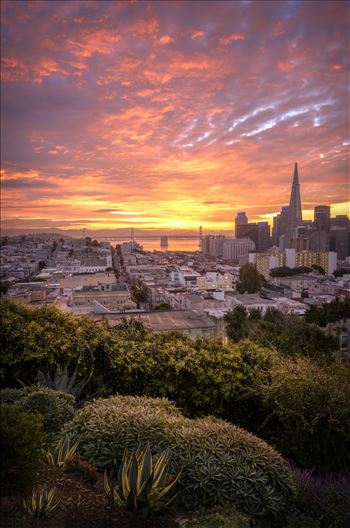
295	218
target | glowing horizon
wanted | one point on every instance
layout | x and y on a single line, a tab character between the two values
171	115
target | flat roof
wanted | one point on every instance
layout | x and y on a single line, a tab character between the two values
162	321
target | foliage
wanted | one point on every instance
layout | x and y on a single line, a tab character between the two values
22	440
221	463
138	294
331	312
285	271
163	306
56	408
44	337
62	453
340	272
9	395
220	519
41	503
62	381
287	334
318	268
309	415
142	485
203	376
4	286
250	280
80	467
326	499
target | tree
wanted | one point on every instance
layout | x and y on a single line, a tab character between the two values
4	286
163	306
41	265
318	268
250	280
237	323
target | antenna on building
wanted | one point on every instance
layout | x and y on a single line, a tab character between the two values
132	234
200	239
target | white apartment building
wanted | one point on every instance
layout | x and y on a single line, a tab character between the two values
215	280
233	248
184	276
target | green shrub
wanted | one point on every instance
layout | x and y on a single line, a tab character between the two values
45	337
309	417
10	395
221	463
56	408
22	440
220	520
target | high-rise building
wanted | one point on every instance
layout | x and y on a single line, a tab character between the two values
295	218
340	221
233	248
339	241
322	217
280	225
264	239
241	219
213	245
250	230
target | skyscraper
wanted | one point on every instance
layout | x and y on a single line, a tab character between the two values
322	217
295	218
241	219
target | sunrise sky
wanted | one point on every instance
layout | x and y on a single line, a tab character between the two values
171	115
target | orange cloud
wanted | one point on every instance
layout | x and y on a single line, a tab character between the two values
197	34
166	39
225	41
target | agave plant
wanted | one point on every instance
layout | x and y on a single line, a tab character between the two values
62	381
141	485
41	503
62	453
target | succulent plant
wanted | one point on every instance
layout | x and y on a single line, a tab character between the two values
41	503
62	453
142	484
62	381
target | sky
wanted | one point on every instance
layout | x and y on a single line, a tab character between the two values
171	115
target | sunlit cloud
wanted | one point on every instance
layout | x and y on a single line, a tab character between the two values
170	116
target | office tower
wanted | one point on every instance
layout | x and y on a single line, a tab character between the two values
241	219
213	245
264	240
340	221
322	217
295	215
319	240
250	230
280	225
339	241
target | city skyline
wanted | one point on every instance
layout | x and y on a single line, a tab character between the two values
168	115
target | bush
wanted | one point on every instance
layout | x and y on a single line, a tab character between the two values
45	337
10	395
222	464
309	412
220	520
22	441
56	408
326	499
